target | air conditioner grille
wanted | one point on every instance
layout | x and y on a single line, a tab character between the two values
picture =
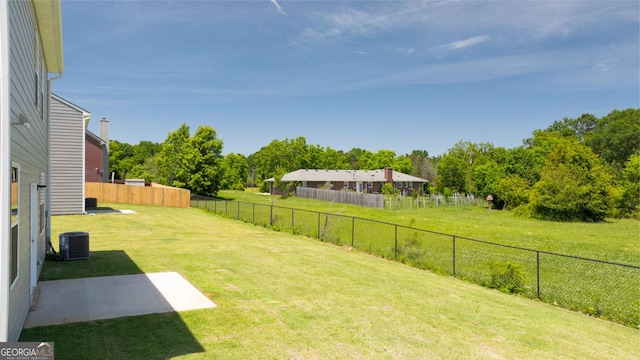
74	245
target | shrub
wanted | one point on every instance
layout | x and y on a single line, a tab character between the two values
573	186
506	277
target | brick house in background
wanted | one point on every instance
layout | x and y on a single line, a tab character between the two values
369	181
96	154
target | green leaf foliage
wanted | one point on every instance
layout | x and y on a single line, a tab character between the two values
573	185
617	136
513	191
630	201
234	169
191	162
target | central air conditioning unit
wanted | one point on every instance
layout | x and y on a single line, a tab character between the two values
74	245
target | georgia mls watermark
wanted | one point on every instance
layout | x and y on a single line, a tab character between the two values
26	351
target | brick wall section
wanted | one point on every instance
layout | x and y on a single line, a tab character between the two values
92	160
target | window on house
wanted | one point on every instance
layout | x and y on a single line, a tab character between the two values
346	185
40	76
42	86
370	184
14	195
42	219
304	184
36	69
15	212
37	87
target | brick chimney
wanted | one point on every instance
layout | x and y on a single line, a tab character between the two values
388	175
104	131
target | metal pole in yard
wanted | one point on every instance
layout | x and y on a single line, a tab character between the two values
395	246
454	256
253	215
293	221
319	226
353	230
538	273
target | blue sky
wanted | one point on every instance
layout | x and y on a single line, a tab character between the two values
374	75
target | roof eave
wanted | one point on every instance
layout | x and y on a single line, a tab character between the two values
49	19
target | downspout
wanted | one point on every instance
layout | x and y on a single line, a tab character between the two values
48	211
5	171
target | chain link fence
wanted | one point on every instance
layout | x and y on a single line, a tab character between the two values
603	289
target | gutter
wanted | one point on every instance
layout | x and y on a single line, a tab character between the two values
48	196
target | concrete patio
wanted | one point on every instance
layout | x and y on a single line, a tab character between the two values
86	299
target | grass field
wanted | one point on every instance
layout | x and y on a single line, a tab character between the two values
603	290
615	240
285	296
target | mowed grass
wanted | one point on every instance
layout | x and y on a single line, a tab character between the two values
601	289
284	296
615	240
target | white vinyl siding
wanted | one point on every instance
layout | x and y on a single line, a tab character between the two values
67	158
29	144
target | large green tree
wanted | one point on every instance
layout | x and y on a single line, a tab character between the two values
573	185
358	158
512	191
120	158
630	186
191	162
172	166
133	161
581	128
234	169
456	168
617	136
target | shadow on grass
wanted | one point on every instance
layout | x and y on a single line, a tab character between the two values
101	263
154	336
208	198
103	208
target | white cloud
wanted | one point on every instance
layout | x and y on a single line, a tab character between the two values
278	7
406	51
461	44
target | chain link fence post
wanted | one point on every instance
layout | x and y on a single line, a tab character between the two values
353	230
454	255
395	246
538	274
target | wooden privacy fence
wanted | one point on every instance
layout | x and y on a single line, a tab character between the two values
142	195
346	197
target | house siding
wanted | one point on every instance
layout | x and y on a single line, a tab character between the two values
67	159
28	146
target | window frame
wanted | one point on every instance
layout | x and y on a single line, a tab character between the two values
14	267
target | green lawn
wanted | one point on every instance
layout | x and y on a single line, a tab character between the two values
285	296
616	240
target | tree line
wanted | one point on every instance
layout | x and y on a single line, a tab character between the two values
585	169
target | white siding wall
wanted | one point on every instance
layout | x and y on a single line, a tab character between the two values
28	144
67	159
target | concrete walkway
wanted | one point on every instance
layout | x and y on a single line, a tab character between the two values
85	299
